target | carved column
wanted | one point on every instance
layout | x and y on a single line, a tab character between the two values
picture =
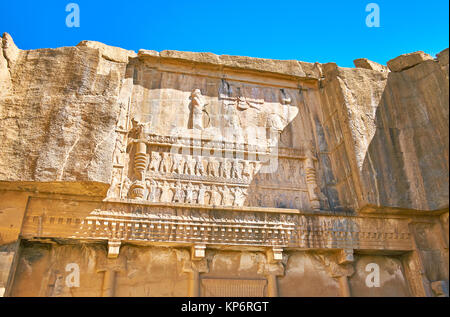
345	258
140	159
311	182
109	283
341	268
194	267
8	259
110	267
273	269
415	269
140	149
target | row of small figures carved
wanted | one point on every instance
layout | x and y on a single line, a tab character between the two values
188	193
203	167
279	199
289	172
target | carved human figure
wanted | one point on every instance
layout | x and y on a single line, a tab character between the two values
293	169
197	107
112	191
190	166
189	193
221	168
179	193
178	164
166	163
158	191
201	194
199	168
151	190
138	128
231	116
121	119
227	199
165	192
195	192
248	170
239	197
216	197
213	167
125	188
155	161
118	150
226	168
236	169
281	171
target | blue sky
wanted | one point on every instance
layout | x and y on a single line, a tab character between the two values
311	31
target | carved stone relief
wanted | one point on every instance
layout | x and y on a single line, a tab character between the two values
151	170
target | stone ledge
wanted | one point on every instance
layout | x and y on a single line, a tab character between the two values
406	61
368	64
283	67
112	53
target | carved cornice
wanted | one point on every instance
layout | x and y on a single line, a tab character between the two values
188	225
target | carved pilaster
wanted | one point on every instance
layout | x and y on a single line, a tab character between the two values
415	274
273	269
311	182
194	268
341	268
110	268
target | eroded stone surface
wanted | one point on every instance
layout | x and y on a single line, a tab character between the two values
406	61
368	64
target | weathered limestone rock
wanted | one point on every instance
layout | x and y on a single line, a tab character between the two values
192	174
406	164
58	118
350	100
406	61
10	50
368	64
442	58
114	54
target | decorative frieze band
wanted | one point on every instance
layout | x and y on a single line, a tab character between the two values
215	226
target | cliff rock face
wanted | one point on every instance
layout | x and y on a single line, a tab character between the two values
58	113
196	151
406	164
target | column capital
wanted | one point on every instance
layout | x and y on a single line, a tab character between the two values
113	248
274	255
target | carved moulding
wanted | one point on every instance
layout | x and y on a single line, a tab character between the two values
208	226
